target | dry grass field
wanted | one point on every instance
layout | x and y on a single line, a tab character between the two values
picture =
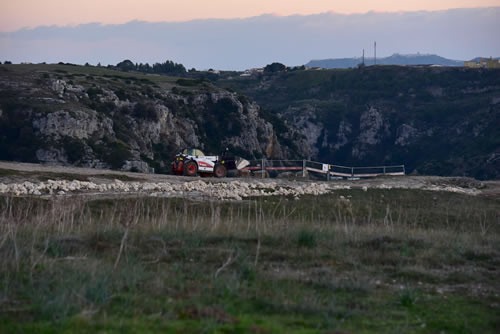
352	261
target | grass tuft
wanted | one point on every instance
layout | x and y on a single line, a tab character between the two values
306	238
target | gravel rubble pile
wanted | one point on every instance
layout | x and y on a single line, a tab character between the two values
235	190
231	190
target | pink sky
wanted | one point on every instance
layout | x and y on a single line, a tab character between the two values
31	13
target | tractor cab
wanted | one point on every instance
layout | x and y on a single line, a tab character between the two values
193	152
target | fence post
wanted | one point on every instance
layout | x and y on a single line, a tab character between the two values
352	171
384	170
404	171
328	173
263	169
303	168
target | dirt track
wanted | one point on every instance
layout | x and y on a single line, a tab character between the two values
12	173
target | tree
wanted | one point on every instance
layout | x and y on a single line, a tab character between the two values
297	68
7	62
168	67
126	65
275	67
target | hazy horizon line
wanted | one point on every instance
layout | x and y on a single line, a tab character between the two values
291	66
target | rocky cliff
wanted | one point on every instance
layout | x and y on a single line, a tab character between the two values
95	117
441	121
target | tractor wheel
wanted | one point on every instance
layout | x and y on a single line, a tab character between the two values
177	167
190	168
220	170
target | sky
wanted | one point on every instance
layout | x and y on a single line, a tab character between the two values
32	13
238	34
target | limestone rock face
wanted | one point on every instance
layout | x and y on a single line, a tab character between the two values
304	130
370	124
343	134
137	166
372	130
406	134
257	135
117	123
73	123
52	156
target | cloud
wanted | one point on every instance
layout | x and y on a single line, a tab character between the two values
256	41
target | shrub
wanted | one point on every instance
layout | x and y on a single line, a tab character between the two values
189	82
105	107
408	297
122	95
117	154
93	92
111	151
145	111
74	149
17	138
306	238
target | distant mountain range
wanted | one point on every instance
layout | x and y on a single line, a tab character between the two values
395	59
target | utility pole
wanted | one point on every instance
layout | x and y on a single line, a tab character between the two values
375	50
363	57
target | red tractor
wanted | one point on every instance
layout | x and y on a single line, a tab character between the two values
191	162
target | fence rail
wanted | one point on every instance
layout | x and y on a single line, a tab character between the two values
327	169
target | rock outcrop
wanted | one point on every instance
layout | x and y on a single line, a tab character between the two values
438	121
125	122
434	120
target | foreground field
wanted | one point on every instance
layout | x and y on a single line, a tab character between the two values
350	261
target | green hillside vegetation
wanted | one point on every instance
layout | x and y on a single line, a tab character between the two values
455	112
85	73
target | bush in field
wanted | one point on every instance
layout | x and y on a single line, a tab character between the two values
306	238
